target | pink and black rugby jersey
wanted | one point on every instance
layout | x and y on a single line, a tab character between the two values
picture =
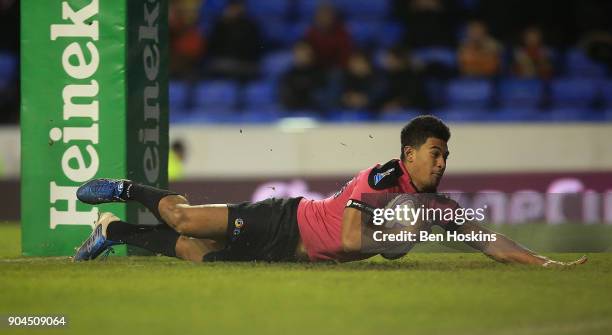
320	221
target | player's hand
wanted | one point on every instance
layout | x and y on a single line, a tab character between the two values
556	264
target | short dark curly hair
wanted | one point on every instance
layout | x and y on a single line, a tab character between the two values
419	129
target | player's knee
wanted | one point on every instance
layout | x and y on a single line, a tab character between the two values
179	219
169	203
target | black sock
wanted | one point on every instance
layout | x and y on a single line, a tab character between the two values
147	195
160	239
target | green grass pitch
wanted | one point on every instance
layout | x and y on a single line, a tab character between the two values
423	293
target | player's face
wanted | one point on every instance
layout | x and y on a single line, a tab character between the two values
428	163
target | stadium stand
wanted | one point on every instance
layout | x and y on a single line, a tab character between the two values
261	94
527	93
221	95
606	93
349	115
469	93
578	64
573	92
8	68
437	55
579	90
178	95
265	9
275	64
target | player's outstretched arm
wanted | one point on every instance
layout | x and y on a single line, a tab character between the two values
505	250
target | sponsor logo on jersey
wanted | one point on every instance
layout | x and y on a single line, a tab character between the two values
379	176
238	224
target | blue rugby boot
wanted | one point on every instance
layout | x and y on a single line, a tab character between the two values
97	242
98	191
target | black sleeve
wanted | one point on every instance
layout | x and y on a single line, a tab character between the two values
385	176
361	206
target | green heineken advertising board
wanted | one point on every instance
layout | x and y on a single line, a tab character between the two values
94	104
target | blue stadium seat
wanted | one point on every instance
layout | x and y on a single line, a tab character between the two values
275	64
268	9
281	33
213	7
521	93
268	115
574	115
274	31
350	115
518	114
578	64
213	116
469	93
203	116
351	9
436	91
378	58
573	92
210	11
606	93
363	9
607	114
306	9
8	68
216	95
297	30
400	116
439	55
462	114
261	94
177	115
364	33
390	34
177	95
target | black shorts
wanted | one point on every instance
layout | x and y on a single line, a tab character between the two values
260	231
